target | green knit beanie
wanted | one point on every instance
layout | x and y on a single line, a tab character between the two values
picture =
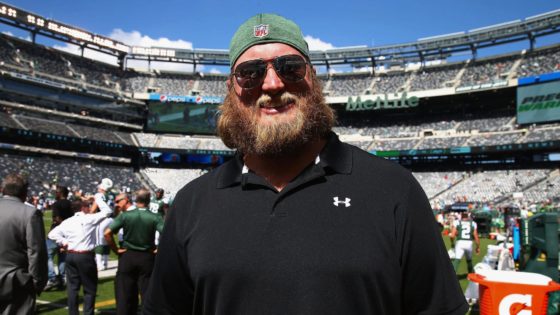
266	28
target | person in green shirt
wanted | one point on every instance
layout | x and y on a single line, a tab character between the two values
137	254
465	232
157	203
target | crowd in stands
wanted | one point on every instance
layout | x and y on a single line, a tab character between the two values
138	82
487	71
445	188
488	139
51	64
394	144
435	77
485	124
491	186
352	84
494	186
540	62
403	135
542	133
166	83
391	83
442	134
44	172
213	85
435	183
451	133
43	62
59	126
548	189
171	180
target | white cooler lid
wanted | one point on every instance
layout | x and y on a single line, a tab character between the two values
515	277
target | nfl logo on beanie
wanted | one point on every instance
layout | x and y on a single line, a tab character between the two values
266	28
261	30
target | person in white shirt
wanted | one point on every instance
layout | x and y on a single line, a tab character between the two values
465	231
102	203
77	235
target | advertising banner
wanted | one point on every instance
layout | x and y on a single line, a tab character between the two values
538	103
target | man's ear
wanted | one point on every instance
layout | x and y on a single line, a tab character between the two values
228	82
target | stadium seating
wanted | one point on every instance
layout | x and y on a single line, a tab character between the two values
43	172
542	134
392	83
489	186
171	179
70	69
485	124
432	78
442	142
487	71
471	129
487	139
212	85
350	84
434	183
548	188
539	62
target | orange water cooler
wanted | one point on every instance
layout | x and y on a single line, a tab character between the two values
513	293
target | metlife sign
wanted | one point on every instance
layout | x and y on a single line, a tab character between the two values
538	103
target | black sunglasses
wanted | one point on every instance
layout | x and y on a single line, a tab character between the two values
290	68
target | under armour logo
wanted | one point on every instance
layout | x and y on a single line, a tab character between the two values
346	202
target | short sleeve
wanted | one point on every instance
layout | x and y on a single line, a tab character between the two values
117	223
170	290
430	285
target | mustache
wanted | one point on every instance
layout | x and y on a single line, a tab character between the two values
266	100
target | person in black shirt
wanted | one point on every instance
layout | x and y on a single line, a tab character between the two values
136	256
297	222
61	210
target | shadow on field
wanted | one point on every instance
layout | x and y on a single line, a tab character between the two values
53	305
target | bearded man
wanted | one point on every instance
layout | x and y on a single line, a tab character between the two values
297	222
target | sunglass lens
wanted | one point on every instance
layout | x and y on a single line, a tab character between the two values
250	74
291	68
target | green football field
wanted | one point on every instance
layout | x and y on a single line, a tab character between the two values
171	118
54	302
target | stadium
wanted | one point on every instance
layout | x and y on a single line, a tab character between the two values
477	132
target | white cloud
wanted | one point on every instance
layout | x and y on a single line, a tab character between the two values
215	71
135	38
333	70
8	33
317	43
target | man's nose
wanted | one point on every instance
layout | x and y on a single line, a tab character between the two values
272	83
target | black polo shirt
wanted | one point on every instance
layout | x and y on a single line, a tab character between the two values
352	234
61	208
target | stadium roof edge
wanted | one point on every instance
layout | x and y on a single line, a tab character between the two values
427	48
542	15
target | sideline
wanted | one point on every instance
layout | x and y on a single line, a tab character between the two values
97	305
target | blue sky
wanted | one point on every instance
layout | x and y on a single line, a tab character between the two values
326	24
